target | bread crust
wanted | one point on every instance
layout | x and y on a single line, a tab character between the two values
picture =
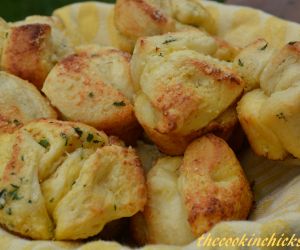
66	180
94	86
190	194
20	103
27	52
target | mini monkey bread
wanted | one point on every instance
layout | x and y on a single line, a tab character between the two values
184	91
94	86
65	181
188	195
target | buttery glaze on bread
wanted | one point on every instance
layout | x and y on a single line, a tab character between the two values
20	103
137	18
181	93
199	41
94	86
64	180
32	47
270	116
251	62
188	195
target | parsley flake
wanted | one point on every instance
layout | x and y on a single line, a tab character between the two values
78	131
16	122
44	143
90	137
264	47
9	211
91	95
292	43
281	116
119	104
241	63
170	40
65	137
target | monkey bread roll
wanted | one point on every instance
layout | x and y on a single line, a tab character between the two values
182	92
148	47
251	62
270	115
137	18
32	47
20	103
64	180
94	86
188	195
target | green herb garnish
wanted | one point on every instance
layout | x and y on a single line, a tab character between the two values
91	94
170	40
14	193
292	43
9	211
281	116
241	63
90	137
44	143
65	137
16	122
264	47
78	131
119	104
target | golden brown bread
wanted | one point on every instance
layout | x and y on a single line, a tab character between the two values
26	52
181	93
94	86
262	139
62	45
270	116
188	195
20	103
137	18
251	61
64	180
162	45
32	47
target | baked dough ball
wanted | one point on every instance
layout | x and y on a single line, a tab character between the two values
188	195
64	181
94	86
270	116
251	61
137	18
20	103
32	48
181	93
147	48
262	139
62	45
